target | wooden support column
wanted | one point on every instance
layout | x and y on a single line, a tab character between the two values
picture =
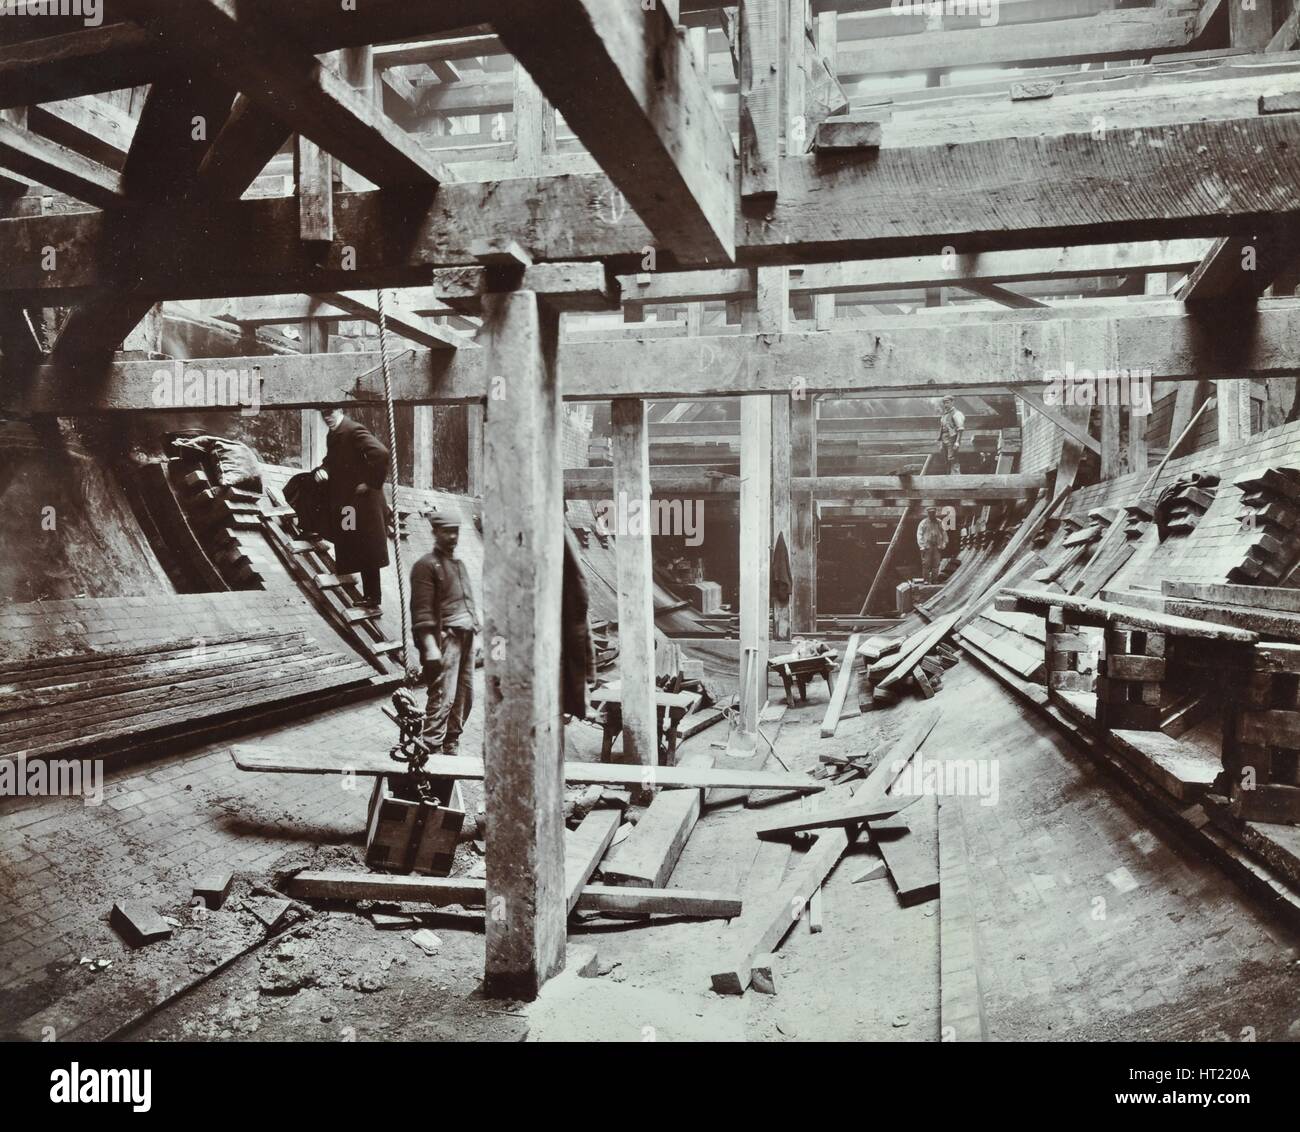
1233	398
755	545
422	447
474	447
315	335
803	545
772	313
1138	419
636	625
760	97
523	746
1250	23
1110	422
534	125
798	57
314	177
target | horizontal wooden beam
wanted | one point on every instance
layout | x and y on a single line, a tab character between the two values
1016	192
991	488
868	276
909	356
1108	35
627	85
57	167
686	479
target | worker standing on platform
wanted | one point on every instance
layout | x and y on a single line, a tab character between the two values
933	540
444	620
951	423
354	470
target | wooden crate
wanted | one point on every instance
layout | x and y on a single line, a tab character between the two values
406	835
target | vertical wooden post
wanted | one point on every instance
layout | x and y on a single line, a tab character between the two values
1250	25
1137	437
422	447
534	125
636	626
798	56
782	507
772	315
803	546
1110	421
474	449
1233	397
523	743
755	543
760	97
314	176
315	340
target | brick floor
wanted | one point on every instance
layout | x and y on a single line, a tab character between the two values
163	825
1089	922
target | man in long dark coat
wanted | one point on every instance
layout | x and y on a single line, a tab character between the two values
354	470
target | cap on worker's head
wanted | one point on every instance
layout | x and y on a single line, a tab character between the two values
931	510
948	401
441	522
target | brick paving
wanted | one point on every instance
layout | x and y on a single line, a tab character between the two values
1090	923
163	825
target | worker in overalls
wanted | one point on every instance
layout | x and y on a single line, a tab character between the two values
444	620
951	423
932	539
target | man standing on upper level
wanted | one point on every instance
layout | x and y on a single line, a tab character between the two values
951	423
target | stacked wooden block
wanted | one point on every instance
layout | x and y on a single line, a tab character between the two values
1261	734
1131	691
1071	655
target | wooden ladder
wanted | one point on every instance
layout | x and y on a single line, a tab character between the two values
338	596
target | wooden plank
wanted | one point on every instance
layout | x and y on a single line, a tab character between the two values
288	761
844	678
1272	598
926	640
777	912
636	638
653	128
760	97
961	1008
522	565
1038	601
846	815
584	847
650	853
909	845
469	892
1061	419
400	320
265	64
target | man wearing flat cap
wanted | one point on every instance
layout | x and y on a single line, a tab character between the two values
444	620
